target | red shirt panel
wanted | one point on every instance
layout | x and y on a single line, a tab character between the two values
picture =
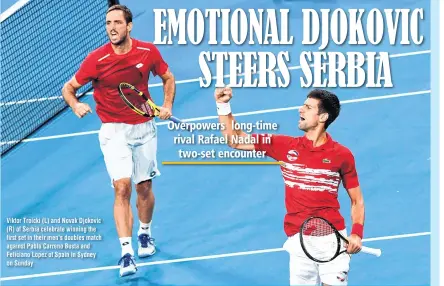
106	70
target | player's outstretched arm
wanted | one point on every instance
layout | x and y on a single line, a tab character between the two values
227	120
69	91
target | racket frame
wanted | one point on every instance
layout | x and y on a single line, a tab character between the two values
373	251
153	106
338	235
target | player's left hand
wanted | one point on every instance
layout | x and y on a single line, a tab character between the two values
165	112
354	244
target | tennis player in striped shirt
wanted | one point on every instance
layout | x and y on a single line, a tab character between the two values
314	166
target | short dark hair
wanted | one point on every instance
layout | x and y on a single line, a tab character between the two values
328	103
126	12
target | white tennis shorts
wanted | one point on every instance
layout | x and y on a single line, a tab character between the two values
304	271
130	150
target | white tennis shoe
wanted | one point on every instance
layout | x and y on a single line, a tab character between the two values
146	245
127	265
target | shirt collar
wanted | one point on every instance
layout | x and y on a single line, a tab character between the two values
309	143
133	47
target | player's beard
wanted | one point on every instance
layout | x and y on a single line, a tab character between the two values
303	128
302	125
120	41
306	126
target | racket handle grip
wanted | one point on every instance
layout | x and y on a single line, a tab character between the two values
373	251
175	119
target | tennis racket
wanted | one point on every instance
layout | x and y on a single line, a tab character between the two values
139	102
321	241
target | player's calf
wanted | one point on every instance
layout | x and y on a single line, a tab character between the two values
145	207
145	201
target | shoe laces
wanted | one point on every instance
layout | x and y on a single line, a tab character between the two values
127	260
145	239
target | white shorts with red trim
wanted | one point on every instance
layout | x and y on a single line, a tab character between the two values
304	271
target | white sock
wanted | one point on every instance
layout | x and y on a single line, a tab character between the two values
144	228
125	243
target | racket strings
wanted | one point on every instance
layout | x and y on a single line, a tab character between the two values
319	239
137	101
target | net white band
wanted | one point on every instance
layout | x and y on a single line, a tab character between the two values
223	108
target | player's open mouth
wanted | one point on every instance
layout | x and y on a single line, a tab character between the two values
302	118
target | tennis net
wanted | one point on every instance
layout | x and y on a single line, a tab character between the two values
43	45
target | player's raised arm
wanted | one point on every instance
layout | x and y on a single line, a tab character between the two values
226	118
69	91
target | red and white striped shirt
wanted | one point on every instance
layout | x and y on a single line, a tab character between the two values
312	176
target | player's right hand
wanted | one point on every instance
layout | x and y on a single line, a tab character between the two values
223	94
354	244
81	109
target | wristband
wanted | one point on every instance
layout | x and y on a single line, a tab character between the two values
223	108
358	229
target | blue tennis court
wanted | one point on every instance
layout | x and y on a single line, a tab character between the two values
224	224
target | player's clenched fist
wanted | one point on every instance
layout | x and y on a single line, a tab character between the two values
223	94
81	109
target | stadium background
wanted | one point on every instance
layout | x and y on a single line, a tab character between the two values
60	165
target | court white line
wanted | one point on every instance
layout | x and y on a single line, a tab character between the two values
197	258
11	10
400	55
383	97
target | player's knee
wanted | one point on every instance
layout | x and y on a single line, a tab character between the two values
122	189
